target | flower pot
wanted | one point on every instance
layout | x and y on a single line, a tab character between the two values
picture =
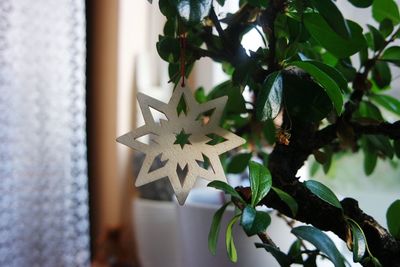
157	234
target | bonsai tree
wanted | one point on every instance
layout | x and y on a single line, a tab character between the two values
318	86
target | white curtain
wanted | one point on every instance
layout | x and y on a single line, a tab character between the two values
43	179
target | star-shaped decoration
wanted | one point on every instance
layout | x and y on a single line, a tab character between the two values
188	142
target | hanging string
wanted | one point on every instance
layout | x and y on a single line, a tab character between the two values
182	41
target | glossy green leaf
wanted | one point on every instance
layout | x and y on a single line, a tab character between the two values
377	39
330	40
226	188
230	245
396	147
359	241
368	110
295	252
269	131
361	3
333	73
248	217
258	3
288	199
381	74
238	163
381	143
330	86
305	100
372	261
167	8
281	258
388	102
385	9
215	227
386	27
200	95
392	218
370	161
332	16
370	154
168	48
235	103
170	27
269	99
260	182
323	192
253	221
193	10
392	54
321	241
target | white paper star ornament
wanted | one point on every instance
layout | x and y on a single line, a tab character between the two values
188	142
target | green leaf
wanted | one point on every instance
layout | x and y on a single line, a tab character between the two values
258	3
321	241
170	27
269	131
295	252
305	100
333	73
359	241
368	110
361	3
330	40
381	74
311	260
215	227
370	160
248	217
381	143
386	27
396	147
392	218
200	95
193	10
323	192
392	54
333	17
226	188
288	199
235	103
230	245
260	182
388	102
281	258
168	48
269	99
167	9
239	163
377	38
330	86
385	9
372	261
254	221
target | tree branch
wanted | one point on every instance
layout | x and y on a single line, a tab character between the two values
391	130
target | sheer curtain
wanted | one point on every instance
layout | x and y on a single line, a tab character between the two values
43	180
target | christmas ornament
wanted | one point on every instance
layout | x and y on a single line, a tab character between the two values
188	142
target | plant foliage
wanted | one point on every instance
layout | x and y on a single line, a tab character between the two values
319	85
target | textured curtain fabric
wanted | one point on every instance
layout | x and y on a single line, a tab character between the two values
43	179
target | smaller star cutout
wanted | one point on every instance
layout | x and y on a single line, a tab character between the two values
182	139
